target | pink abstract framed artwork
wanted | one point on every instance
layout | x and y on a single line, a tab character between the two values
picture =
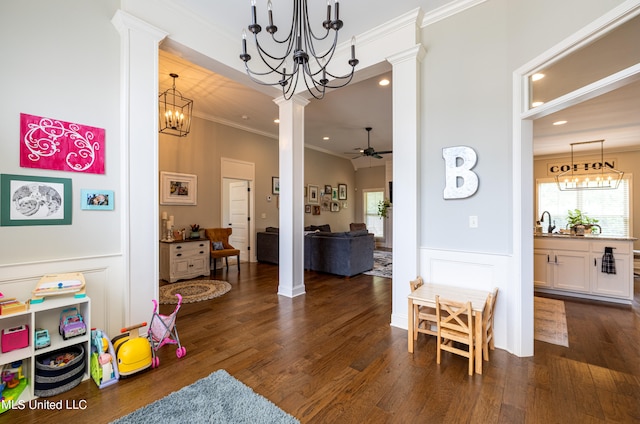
47	143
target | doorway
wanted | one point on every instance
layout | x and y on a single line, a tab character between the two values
235	214
526	114
237	205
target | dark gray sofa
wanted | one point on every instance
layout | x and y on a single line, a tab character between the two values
346	254
268	245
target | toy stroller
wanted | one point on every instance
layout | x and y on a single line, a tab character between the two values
162	331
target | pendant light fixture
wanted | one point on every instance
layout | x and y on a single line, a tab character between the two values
175	111
589	175
298	57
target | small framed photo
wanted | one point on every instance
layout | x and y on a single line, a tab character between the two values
313	194
342	192
30	200
307	208
316	209
275	185
97	200
335	207
334	194
178	189
327	189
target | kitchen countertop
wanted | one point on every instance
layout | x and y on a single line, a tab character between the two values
585	237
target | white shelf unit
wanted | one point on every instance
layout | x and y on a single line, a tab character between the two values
46	315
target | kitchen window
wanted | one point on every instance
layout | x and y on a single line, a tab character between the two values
612	208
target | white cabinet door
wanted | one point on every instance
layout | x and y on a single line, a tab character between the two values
542	276
612	284
571	270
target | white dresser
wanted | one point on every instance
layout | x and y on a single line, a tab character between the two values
184	259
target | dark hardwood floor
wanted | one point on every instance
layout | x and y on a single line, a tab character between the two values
330	356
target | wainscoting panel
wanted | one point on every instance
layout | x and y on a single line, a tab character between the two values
470	270
104	285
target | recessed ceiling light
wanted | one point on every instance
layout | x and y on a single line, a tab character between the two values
537	77
277	121
536	104
245	117
325	138
559	122
384	82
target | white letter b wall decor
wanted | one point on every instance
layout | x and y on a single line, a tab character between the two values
460	180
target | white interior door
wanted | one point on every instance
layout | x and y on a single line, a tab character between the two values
239	217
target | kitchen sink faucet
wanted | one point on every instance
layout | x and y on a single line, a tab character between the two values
550	228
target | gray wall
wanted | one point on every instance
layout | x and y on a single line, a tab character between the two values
199	153
467	100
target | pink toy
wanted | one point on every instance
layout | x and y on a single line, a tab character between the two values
162	331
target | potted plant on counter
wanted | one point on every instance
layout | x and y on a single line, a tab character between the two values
579	223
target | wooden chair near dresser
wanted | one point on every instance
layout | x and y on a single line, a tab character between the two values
220	247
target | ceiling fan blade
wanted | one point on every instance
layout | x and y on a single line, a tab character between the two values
377	156
384	152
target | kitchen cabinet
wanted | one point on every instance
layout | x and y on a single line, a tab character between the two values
572	266
562	267
184	259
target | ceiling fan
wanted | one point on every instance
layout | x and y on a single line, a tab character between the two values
370	151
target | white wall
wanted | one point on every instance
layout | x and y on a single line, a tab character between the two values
61	60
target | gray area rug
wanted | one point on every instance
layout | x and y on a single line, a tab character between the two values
382	264
218	398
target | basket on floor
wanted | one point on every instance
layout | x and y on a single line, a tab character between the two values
51	380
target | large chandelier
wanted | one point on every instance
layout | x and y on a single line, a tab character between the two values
175	111
591	175
298	56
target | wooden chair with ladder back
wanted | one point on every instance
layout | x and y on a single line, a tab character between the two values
424	317
455	328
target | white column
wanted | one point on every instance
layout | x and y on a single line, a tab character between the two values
406	177
291	141
138	197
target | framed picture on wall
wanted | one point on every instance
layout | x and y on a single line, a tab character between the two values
178	189
31	200
327	189
307	208
334	194
275	185
342	192
96	200
316	209
313	194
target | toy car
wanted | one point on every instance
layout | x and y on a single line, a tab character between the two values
42	338
71	324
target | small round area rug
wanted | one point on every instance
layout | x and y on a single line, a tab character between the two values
193	291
